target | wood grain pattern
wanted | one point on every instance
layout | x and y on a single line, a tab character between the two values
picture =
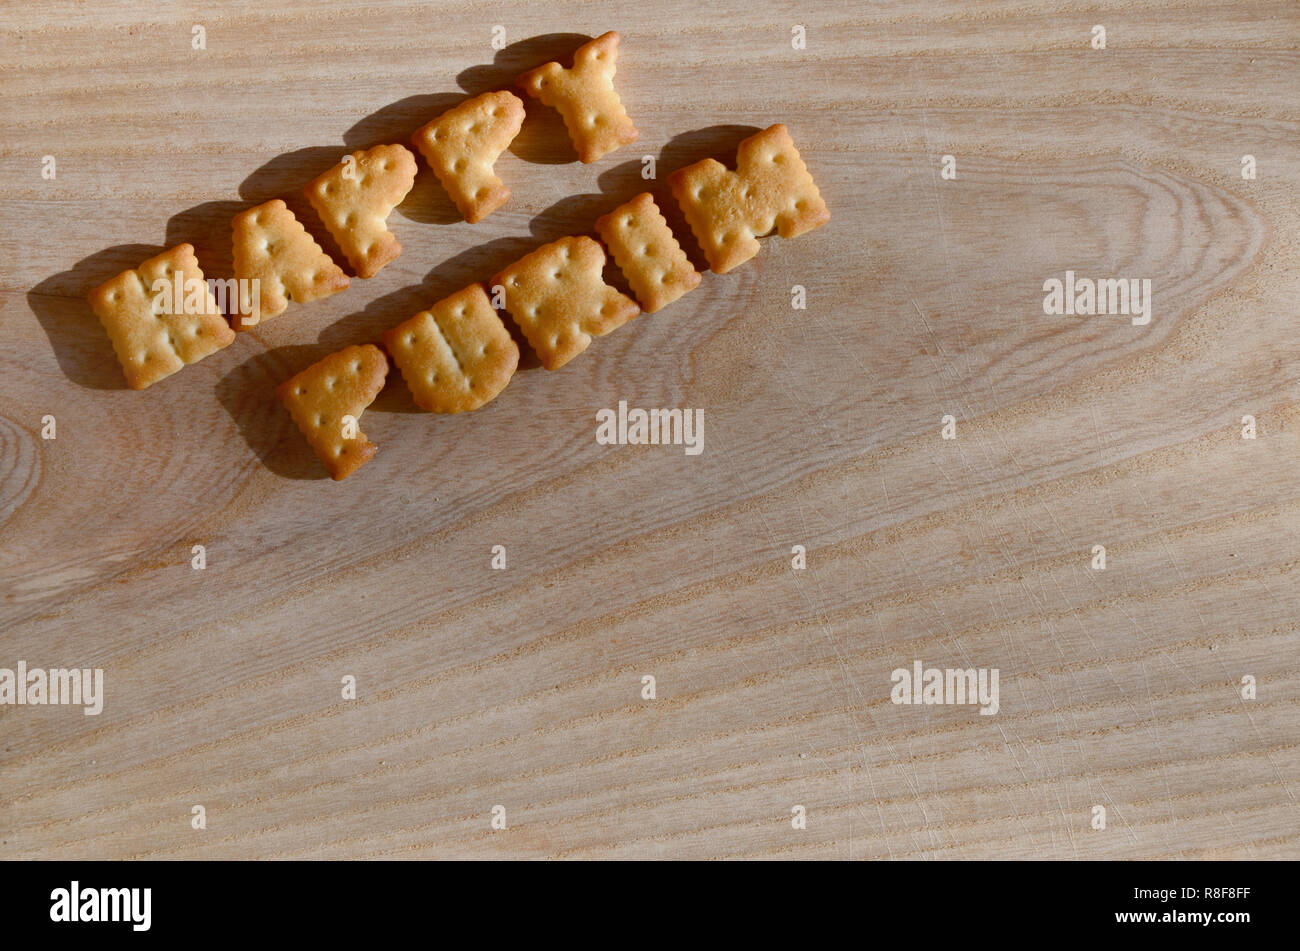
522	687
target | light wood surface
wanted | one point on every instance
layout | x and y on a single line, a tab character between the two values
522	688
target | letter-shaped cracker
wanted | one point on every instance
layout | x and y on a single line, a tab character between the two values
769	188
647	253
455	356
585	97
318	399
354	199
462	146
150	338
271	245
560	301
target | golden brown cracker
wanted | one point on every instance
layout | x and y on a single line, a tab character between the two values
560	301
769	188
462	146
647	253
321	396
153	338
455	356
354	199
585	97
271	245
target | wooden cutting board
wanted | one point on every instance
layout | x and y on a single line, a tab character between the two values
523	688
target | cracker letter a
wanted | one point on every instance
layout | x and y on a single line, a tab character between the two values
271	245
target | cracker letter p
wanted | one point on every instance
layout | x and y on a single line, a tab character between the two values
327	399
355	207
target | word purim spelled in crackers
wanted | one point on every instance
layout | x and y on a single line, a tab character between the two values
560	301
647	253
354	198
158	328
455	356
769	188
585	97
270	244
462	146
327	399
